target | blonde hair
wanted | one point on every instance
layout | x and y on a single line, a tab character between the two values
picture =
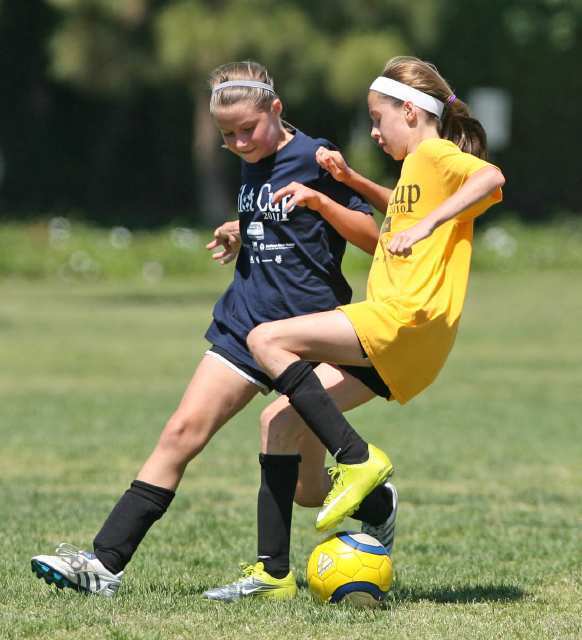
456	123
262	99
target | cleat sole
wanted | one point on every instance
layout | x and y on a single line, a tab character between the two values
51	576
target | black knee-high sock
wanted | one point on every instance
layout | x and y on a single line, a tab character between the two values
279	475
138	508
311	401
376	507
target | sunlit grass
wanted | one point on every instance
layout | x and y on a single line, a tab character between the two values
489	541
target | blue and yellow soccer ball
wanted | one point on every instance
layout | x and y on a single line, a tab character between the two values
350	567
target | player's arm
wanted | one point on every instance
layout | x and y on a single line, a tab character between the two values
226	236
334	163
478	186
356	227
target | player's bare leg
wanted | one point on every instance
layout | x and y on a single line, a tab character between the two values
284	432
215	394
284	349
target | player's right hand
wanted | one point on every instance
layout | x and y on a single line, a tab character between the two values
226	236
333	162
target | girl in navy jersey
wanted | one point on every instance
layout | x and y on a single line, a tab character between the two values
289	264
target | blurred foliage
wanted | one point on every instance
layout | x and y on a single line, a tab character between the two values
107	109
100	52
71	251
188	46
357	58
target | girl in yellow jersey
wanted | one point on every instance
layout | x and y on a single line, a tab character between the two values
417	284
404	329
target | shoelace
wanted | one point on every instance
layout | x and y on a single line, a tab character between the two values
337	475
67	551
247	569
72	556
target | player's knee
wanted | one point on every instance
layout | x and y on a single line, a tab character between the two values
185	435
260	339
267	419
305	496
272	425
278	429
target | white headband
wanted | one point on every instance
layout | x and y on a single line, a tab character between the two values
254	84
396	89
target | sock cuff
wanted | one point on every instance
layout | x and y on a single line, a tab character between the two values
279	460
160	496
292	377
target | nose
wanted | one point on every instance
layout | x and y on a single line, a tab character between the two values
242	141
375	134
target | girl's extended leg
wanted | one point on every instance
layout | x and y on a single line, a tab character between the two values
284	432
328	337
214	395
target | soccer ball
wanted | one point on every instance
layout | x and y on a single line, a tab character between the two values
350	567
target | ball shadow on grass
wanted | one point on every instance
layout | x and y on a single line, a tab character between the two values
462	594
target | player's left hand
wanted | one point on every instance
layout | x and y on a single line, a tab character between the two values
298	195
334	163
401	243
227	236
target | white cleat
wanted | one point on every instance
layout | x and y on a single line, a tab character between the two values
385	531
75	569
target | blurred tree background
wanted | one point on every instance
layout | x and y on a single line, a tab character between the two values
105	117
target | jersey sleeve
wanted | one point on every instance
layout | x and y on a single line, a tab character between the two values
456	167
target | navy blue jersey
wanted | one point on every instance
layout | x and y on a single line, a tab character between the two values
290	262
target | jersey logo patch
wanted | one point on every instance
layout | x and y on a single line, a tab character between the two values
256	230
404	198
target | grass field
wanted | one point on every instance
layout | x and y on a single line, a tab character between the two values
489	468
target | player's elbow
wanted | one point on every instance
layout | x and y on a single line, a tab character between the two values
370	239
371	243
495	178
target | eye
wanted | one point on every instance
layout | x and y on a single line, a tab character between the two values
227	134
248	129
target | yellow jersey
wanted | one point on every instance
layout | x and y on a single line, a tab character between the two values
408	322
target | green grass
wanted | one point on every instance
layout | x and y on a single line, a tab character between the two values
489	540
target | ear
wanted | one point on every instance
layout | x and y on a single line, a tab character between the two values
409	111
277	107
